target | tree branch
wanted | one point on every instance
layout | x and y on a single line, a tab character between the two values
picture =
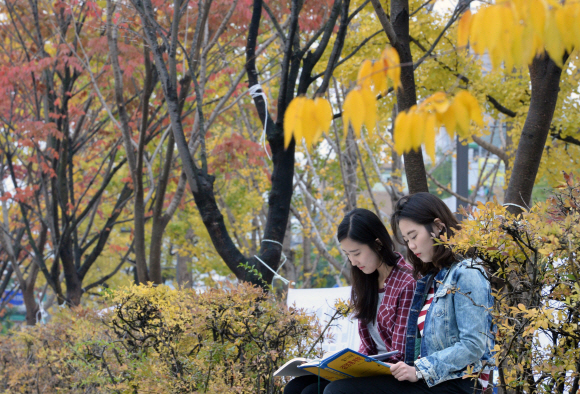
496	150
459	197
336	49
385	22
461	6
500	107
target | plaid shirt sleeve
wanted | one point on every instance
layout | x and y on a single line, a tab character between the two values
367	345
401	316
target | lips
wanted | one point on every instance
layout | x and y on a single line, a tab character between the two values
418	254
361	268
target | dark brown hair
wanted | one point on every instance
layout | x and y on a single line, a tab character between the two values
363	226
423	209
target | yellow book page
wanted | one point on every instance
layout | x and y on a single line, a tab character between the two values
357	366
327	374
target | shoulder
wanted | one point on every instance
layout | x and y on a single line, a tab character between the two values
469	271
404	274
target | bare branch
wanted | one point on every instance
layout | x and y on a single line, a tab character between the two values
385	22
496	150
448	190
461	6
500	107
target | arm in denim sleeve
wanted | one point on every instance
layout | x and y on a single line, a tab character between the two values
402	315
470	305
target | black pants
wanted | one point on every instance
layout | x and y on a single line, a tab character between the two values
378	385
306	385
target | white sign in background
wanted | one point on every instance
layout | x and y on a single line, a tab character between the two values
321	303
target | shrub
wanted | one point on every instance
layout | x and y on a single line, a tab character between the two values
535	260
159	340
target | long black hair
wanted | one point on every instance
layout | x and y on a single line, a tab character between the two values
423	209
364	227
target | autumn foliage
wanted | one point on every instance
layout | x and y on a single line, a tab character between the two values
537	308
158	340
531	26
413	128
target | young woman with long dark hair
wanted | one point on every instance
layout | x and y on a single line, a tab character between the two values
382	291
449	327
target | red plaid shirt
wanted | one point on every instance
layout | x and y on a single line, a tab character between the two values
393	313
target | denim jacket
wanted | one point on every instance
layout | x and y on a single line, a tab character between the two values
458	324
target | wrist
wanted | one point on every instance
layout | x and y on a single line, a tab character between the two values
418	374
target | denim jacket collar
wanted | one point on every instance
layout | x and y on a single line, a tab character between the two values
423	286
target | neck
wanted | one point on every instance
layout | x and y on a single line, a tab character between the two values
384	272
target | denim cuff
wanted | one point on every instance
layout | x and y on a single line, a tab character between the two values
427	370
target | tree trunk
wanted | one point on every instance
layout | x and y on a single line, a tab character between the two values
289	269
545	78
350	162
183	271
28	296
406	96
135	160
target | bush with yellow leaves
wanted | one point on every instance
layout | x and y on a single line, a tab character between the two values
537	309
159	340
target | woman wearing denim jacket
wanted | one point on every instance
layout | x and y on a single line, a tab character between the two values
449	325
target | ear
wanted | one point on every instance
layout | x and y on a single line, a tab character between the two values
439	225
379	243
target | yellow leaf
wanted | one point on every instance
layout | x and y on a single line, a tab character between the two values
310	123
517	45
370	104
463	29
293	121
472	106
429	137
391	56
552	39
364	74
439	102
507	25
461	117
416	129
323	112
402	133
379	76
447	118
576	12
353	111
495	57
492	23
477	32
538	16
565	20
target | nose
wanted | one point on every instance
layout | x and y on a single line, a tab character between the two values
353	262
411	245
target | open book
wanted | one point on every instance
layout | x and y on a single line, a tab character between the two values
346	363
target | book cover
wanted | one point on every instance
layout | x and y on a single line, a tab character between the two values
346	363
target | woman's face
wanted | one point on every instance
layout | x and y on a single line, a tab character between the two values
418	239
360	255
